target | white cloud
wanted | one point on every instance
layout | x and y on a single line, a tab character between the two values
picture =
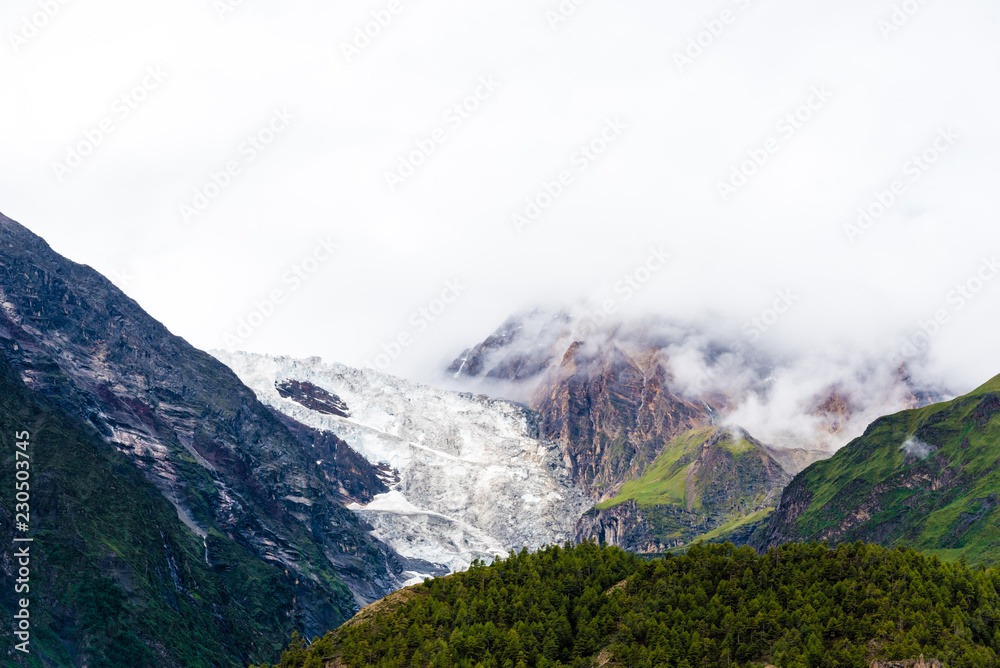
656	185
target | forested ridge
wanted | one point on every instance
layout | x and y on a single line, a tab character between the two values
795	606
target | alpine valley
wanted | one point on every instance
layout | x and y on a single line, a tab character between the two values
205	509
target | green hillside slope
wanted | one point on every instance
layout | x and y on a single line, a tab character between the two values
927	478
706	483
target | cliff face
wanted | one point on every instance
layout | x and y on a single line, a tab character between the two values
521	349
622	525
242	486
610	409
795	499
613	413
927	478
910	663
349	475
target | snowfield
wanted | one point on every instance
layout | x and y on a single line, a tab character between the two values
473	480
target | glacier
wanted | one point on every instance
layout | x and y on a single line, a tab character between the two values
472	478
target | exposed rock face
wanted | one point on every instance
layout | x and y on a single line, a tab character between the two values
230	468
838	409
910	663
987	409
98	525
795	499
655	371
722	481
472	478
615	396
521	349
350	475
312	397
622	525
709	378
793	460
613	413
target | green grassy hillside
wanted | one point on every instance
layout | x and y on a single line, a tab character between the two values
706	483
927	478
664	482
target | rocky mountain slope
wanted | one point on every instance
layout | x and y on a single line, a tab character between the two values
614	394
613	412
704	483
521	349
467	477
115	577
619	398
927	478
243	484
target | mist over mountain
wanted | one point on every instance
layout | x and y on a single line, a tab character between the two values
891	95
500	334
926	478
209	506
812	399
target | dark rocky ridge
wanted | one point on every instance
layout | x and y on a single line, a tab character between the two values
310	396
351	476
116	579
230	468
515	351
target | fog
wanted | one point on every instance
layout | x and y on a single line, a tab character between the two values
270	178
789	397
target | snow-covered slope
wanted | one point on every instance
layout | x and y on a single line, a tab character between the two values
473	480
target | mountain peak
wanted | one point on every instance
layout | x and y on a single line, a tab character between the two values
242	487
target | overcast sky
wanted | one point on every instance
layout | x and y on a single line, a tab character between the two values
207	154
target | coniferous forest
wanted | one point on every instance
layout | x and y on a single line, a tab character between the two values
797	606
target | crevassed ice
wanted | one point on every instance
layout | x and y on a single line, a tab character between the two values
472	483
